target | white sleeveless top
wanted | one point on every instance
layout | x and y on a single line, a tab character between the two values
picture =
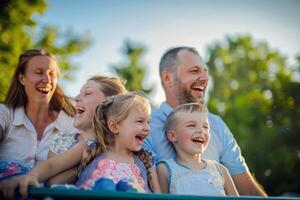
207	181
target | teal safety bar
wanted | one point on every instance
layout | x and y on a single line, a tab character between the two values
54	193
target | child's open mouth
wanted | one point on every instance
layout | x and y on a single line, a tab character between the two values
140	138
198	140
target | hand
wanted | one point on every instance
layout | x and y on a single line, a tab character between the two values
8	187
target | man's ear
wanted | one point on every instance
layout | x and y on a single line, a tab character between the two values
167	78
171	136
113	127
21	79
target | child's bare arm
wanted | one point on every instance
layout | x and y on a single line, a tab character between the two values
154	181
46	169
229	186
163	175
68	176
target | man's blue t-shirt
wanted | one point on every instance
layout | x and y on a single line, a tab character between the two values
222	146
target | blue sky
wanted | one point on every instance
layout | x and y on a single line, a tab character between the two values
161	24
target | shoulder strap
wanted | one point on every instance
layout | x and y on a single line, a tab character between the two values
212	164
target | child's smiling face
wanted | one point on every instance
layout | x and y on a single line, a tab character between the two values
191	133
134	129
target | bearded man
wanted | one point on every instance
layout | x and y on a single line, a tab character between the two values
184	77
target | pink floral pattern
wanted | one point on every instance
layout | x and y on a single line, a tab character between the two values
10	168
116	171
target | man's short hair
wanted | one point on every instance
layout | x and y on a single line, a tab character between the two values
169	60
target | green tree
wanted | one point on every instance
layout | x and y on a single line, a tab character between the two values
255	91
132	71
18	32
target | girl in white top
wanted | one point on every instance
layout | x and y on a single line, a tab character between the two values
187	128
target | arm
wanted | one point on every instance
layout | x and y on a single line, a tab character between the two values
66	177
246	185
229	186
154	181
43	171
163	175
57	164
9	186
233	160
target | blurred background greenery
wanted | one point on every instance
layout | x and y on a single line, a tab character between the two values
257	94
253	87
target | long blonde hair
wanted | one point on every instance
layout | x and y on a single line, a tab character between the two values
118	107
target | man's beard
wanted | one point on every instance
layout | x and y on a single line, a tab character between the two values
183	95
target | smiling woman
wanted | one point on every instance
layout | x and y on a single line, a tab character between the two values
35	108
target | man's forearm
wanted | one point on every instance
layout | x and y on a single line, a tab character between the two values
247	185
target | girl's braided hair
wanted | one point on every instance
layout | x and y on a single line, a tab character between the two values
146	158
118	107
